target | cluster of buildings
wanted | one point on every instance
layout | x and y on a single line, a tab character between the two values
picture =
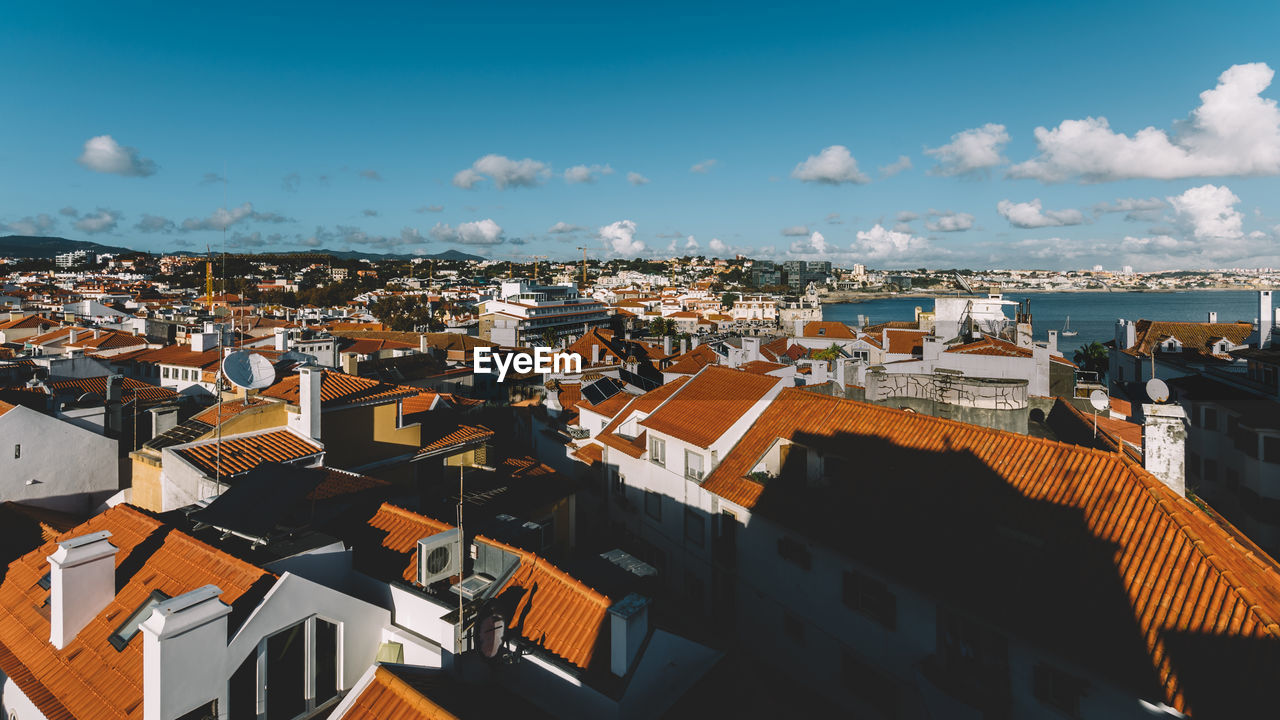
742	509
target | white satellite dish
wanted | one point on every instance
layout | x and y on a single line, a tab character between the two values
1157	390
248	370
1099	400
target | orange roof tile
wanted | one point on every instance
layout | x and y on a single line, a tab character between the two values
828	329
387	697
905	342
341	389
590	454
213	418
242	453
760	367
705	407
693	361
557	611
609	406
338	482
130	389
404	528
6	407
645	403
1181	572
89	679
996	347
1195	336
464	435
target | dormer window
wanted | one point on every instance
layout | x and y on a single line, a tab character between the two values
129	628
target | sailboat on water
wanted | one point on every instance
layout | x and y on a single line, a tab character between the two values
1066	329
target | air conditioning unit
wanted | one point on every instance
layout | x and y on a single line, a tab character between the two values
439	556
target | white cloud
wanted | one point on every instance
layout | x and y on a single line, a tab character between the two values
636	178
717	246
481	232
970	151
586	173
99	222
223	218
795	231
1234	131
154	223
39	225
833	166
815	244
562	228
881	245
1135	209
103	154
1031	215
901	164
949	222
703	167
504	172
1208	212
621	237
691	244
906	216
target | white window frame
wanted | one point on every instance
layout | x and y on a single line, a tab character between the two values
658	451
688	467
308	665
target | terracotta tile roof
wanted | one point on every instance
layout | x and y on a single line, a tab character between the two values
108	341
403	529
387	697
905	342
1122	407
337	483
230	409
590	454
774	349
242	453
129	387
693	361
1183	575
1195	337
892	325
996	347
760	367
89	679
610	406
795	352
368	347
570	395
646	403
52	522
464	435
30	321
338	389
706	407
6	407
422	402
828	329
557	611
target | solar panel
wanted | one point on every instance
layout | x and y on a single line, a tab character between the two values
601	390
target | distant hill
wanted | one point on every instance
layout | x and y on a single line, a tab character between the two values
26	246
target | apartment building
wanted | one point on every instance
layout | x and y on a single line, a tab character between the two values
523	313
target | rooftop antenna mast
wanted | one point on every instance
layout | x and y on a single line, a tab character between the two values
217	378
535	259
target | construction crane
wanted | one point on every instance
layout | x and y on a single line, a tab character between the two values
535	259
584	266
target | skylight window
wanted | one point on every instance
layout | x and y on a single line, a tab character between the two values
123	634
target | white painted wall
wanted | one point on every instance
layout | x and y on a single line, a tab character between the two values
74	469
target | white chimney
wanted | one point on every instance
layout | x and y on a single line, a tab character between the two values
799	327
595	354
423	346
1266	316
684	345
1213	316
73	336
183	639
1164	438
931	348
282	339
751	345
1053	342
666	345
82	580
628	627
695	341
309	381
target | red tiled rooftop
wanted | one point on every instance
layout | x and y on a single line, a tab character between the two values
242	453
706	406
828	329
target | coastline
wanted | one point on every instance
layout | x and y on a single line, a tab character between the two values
842	297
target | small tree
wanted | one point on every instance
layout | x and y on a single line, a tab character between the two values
828	354
1093	358
728	299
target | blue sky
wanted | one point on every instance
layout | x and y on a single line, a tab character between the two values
390	129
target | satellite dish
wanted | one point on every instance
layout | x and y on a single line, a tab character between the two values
89	399
1099	400
1157	390
248	370
491	631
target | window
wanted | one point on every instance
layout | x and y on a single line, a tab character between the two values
326	662
17	451
286	672
795	552
1210	419
693	465
658	451
164	373
1271	449
972	654
1057	689
207	711
694	527
870	685
653	504
1211	470
871	598
123	634
1233	479
793	627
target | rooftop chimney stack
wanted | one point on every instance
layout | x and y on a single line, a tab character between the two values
1213	316
666	345
1053	342
1164	438
182	639
310	380
82	581
684	345
628	627
595	354
1266	316
282	339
